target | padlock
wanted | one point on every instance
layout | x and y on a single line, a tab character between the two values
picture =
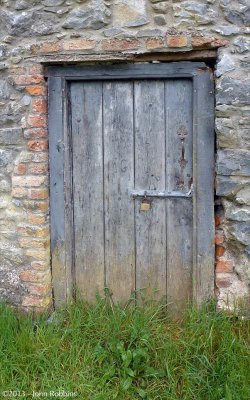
145	205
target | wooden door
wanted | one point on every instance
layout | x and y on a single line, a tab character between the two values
139	174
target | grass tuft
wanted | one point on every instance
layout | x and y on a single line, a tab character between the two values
104	351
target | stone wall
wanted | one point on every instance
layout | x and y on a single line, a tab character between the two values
34	32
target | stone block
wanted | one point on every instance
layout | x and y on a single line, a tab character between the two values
225	64
17	23
94	16
233	162
11	136
243	196
4	90
232	132
241	232
5	157
229	185
130	13
233	91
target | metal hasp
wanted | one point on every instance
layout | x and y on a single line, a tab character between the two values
159	194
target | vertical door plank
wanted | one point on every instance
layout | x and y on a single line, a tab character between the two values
178	103
150	174
118	182
88	187
204	188
57	215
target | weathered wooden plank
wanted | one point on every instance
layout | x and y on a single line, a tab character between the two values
150	175
57	217
69	216
203	121
127	71
208	55
86	104
179	252
178	104
118	183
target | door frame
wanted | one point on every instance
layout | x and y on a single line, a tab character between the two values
60	159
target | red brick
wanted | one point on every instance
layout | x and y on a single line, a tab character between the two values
33	231
38	145
218	219
218	42
219	238
37	302
225	266
154	43
36	219
30	156
223	280
206	42
37	121
39	105
40	157
219	251
34	276
36	90
18	70
38	194
27	242
35	133
41	266
35	69
28	181
201	42
39	289
78	44
19	192
20	169
24	80
38	254
177	41
36	205
38	168
120	44
46	47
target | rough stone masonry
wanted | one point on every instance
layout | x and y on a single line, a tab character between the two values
34	32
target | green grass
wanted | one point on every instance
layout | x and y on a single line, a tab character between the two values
104	352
